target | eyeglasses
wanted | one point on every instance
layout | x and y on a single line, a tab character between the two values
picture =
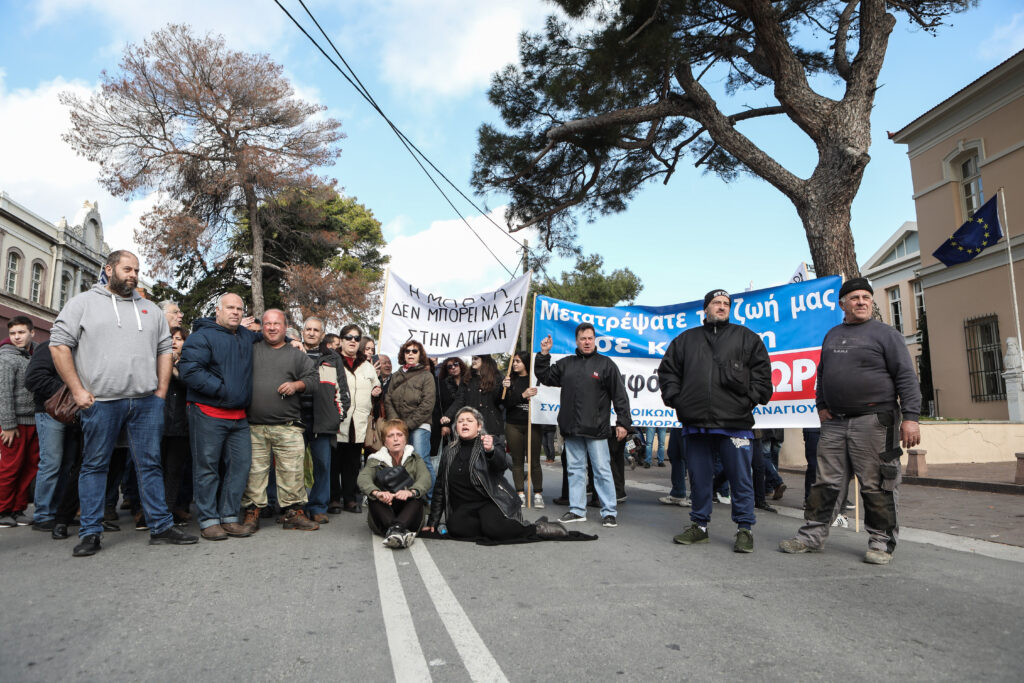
351	337
452	366
408	351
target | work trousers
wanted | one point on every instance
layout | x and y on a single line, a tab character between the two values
285	445
854	443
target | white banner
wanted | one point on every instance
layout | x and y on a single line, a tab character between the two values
446	326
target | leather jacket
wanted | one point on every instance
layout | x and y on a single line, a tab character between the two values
487	472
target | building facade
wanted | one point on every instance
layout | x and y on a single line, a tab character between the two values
45	264
962	151
899	292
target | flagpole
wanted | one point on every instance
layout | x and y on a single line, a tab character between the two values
1009	257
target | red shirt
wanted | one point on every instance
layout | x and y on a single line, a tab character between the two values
221	413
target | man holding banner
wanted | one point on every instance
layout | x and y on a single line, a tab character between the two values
589	383
713	376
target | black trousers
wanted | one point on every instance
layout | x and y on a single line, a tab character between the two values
174	453
408	514
67	483
346	461
484	519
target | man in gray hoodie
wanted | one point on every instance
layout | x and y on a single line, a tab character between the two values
113	350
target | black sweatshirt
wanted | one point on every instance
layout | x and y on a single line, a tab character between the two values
864	366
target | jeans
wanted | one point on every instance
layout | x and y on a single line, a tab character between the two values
214	439
143	420
735	455
649	435
51	455
578	449
420	440
770	453
677	459
320	450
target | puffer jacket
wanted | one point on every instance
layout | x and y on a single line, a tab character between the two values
714	375
487	472
216	364
331	400
17	404
411	396
361	379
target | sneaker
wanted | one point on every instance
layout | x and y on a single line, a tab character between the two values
672	500
538	501
296	519
522	499
110	526
393	538
766	507
570	517
661	463
21	519
694	534
44	526
140	521
744	541
172	536
8	522
877	557
252	519
779	490
408	538
609	521
795	546
841	521
89	545
724	500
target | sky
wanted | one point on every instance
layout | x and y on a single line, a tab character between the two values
428	64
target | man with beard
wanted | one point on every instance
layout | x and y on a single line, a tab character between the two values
113	350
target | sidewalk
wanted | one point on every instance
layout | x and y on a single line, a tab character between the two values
994	517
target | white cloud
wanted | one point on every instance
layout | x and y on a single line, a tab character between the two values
1007	39
447	259
41	171
451	47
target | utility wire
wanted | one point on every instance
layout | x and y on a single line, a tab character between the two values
402	138
369	98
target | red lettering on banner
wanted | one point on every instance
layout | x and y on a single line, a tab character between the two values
794	374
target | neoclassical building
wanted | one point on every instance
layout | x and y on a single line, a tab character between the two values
45	264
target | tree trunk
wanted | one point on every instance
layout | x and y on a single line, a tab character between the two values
257	251
827	224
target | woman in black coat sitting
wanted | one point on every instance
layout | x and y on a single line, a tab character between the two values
471	493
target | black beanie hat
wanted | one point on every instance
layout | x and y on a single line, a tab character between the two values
716	292
855	284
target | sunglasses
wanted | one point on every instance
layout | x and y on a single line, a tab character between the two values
351	337
452	366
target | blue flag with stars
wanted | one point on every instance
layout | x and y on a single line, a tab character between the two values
981	230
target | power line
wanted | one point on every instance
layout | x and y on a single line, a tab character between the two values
409	146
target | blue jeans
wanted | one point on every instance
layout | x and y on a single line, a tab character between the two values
320	494
770	452
677	459
420	440
51	455
214	438
577	449
649	435
143	419
735	455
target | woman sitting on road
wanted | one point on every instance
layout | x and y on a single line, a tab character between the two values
395	495
471	492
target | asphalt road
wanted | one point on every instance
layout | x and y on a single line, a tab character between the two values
334	605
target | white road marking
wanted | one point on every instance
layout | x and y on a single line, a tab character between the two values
407	658
999	551
479	661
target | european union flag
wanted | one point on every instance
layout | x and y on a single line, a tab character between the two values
981	230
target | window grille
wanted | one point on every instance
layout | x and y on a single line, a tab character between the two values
985	359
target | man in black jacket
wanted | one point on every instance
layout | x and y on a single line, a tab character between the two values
590	383
713	376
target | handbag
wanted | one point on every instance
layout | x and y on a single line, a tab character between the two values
372	439
61	406
393	479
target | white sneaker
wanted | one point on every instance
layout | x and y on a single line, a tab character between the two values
522	499
408	538
672	500
538	501
724	500
842	521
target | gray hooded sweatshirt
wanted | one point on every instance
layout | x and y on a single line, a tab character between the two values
114	341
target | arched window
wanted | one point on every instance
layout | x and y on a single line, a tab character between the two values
36	290
970	186
65	289
13	266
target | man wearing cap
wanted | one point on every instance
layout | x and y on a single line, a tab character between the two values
864	368
713	376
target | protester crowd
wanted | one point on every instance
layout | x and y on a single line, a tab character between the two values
228	422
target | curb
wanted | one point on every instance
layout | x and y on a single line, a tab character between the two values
963	485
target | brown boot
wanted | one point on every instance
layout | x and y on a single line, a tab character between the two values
321	518
296	519
214	533
236	530
252	519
